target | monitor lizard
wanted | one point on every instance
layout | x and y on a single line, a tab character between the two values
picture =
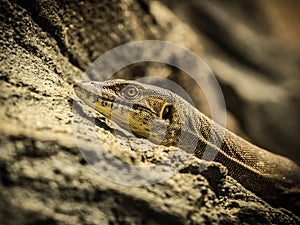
165	118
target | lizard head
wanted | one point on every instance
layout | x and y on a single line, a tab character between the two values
147	110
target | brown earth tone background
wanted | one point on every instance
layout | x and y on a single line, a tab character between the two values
45	46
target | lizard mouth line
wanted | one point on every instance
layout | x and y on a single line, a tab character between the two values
105	99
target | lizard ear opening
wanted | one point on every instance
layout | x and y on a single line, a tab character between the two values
166	111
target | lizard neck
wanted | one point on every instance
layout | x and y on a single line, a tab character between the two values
269	175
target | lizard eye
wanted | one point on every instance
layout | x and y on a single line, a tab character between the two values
166	112
130	91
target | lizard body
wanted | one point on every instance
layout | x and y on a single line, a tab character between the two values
165	118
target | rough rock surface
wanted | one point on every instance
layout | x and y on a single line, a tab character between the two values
44	47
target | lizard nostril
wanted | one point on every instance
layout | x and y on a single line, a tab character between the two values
75	86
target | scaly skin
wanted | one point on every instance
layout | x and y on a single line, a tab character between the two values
165	118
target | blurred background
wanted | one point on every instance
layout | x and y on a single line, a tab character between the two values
253	47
